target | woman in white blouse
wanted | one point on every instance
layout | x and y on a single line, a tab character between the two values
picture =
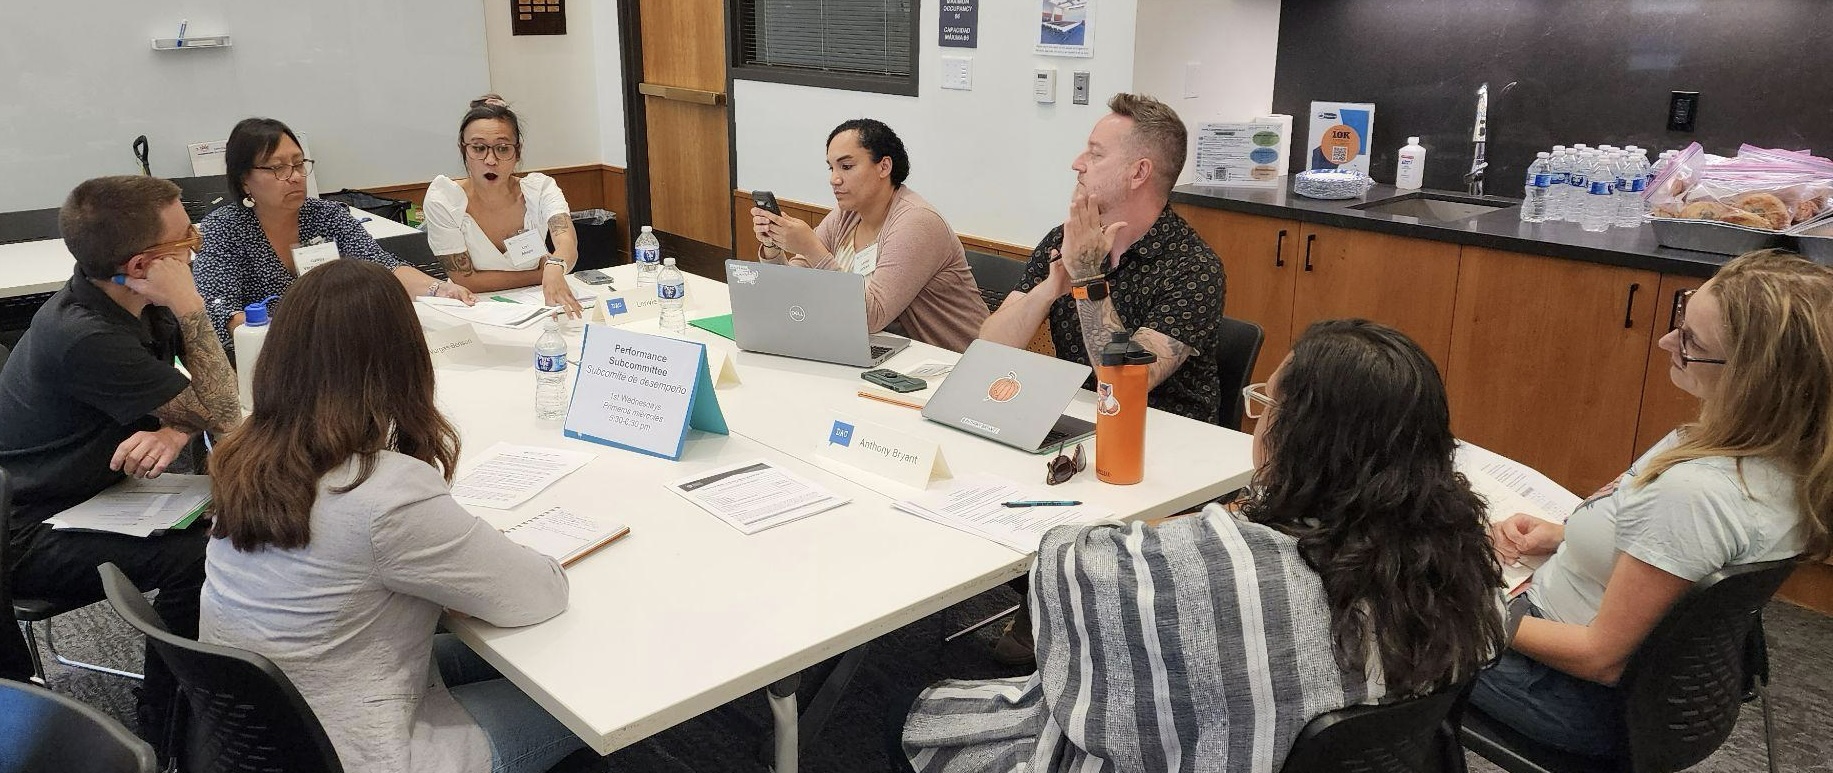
490	229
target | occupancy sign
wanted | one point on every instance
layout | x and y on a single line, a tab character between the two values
960	24
642	392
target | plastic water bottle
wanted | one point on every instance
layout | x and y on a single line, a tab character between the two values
550	372
1559	203
1578	185
671	288
1632	181
1538	189
1600	206
648	256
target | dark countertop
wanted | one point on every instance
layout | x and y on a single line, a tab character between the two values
1499	230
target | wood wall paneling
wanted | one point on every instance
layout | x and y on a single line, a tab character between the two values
1261	266
1407	284
690	27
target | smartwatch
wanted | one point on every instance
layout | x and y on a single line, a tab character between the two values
1093	291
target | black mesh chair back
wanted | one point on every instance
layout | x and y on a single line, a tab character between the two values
1406	737
243	714
1685	684
1237	348
43	732
414	249
16	661
996	276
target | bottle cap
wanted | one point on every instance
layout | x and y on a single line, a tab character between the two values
1412	140
255	314
1121	349
668	261
647	229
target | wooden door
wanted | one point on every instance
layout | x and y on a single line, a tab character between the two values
1259	256
1407	284
1664	406
682	118
1547	362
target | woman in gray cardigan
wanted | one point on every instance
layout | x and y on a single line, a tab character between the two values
337	544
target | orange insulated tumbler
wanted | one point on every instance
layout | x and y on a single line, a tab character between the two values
1121	382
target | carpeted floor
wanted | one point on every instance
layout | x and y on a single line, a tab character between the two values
731	737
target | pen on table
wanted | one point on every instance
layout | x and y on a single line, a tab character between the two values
364	219
182	24
885	398
1042	503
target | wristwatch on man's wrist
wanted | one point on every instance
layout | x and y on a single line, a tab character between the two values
1092	290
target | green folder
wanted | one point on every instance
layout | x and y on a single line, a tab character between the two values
719	326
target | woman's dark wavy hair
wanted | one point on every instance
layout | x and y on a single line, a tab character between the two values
252	140
880	141
1359	469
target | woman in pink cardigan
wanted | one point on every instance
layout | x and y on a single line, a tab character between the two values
918	283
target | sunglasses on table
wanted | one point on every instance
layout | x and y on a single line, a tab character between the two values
1064	466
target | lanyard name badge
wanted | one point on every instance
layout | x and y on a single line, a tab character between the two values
525	249
314	253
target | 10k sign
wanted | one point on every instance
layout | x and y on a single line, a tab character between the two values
641	392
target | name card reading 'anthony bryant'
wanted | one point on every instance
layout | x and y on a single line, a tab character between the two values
880	450
635	306
641	392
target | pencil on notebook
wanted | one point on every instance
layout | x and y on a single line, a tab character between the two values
887	397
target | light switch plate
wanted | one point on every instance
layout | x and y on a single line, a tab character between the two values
958	73
1079	90
1193	74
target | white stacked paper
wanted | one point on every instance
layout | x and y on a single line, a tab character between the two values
1512	487
754	496
976	505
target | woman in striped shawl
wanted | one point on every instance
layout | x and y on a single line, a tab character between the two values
1359	570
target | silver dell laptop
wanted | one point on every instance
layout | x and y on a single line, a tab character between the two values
1013	396
806	313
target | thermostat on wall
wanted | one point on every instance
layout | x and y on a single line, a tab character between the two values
1044	86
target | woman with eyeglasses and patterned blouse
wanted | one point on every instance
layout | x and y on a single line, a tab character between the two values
255	248
491	228
1750	480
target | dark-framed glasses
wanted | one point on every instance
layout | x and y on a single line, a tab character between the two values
1255	401
286	171
193	241
1686	336
1064	466
480	151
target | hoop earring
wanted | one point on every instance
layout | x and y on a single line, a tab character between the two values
248	201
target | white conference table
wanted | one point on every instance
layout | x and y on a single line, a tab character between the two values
43	266
686	613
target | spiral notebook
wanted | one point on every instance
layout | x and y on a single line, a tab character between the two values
565	536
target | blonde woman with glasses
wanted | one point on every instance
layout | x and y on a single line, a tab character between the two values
1750	480
490	229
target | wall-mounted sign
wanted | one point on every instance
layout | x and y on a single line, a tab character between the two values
960	25
537	17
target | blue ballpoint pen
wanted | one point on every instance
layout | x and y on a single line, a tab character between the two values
182	24
1042	503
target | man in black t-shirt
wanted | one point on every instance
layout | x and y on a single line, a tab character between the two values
90	395
1123	261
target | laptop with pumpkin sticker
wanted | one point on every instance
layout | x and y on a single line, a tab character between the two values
1011	396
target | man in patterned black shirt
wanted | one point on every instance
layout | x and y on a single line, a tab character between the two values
1124	261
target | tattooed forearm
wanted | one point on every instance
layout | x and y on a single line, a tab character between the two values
210	402
458	264
1171	353
560	224
1099	324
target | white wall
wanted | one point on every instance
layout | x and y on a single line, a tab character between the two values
993	162
1235	43
552	83
375	86
609	66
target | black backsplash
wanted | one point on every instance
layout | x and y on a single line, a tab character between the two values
1559	71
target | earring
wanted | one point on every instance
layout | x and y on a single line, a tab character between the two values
248	201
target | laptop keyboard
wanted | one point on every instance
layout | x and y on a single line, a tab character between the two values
879	351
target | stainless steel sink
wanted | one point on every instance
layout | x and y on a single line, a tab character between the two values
1435	207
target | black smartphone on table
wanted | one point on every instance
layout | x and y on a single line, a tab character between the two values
894	381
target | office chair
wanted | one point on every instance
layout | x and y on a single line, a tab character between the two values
996	276
414	249
1682	688
1237	349
240	712
43	732
1411	736
28	613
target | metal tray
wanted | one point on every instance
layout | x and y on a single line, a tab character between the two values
1817	243
1713	236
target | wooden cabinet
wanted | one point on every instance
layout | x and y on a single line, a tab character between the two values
1548	358
1664	406
1407	284
1259	255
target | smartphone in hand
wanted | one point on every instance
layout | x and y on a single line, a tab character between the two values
765	200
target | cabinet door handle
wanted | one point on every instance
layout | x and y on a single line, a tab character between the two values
1629	309
1279	250
1309	238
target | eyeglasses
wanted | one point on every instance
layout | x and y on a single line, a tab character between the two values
480	151
285	172
192	241
1064	467
1255	401
1686	336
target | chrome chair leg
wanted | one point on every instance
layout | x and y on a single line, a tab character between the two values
51	644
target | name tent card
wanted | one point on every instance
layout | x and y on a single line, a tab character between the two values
882	451
454	345
623	308
642	392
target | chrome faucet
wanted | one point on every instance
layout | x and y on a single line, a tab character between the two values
1479	138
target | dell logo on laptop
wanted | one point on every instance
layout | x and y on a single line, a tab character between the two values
797	314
